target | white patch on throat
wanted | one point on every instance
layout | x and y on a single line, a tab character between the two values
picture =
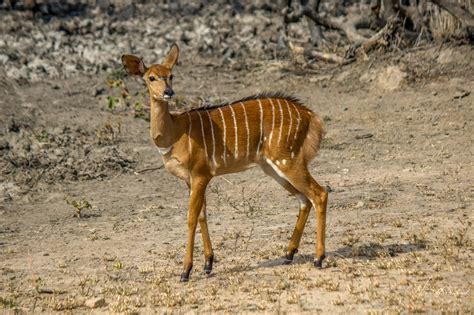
164	151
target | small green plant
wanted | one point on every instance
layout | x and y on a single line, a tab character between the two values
7	302
78	205
43	136
118	265
118	96
112	102
39	283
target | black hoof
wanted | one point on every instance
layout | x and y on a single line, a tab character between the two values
288	259
185	275
208	265
318	263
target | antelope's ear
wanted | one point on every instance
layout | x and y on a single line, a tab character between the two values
133	65
172	56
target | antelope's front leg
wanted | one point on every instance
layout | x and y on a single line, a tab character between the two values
196	202
206	240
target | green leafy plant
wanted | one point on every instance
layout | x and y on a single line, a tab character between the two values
118	265
78	205
42	136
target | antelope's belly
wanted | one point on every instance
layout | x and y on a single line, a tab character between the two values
175	167
235	167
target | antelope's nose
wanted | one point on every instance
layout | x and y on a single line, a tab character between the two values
168	92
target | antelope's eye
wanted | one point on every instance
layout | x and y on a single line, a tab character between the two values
171	77
152	78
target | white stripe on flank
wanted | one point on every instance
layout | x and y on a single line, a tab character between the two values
279	172
213	139
189	132
224	136
281	121
291	120
202	131
248	130
261	126
236	150
273	122
297	120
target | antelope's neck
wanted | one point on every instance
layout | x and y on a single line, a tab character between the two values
162	129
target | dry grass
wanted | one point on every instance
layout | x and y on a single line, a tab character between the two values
396	242
373	274
443	24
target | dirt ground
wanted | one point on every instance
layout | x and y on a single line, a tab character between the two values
398	162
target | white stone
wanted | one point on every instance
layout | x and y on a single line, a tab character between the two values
391	78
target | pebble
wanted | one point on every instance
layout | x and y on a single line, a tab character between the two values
4	145
95	302
403	281
359	204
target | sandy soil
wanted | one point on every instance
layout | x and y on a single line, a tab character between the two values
399	164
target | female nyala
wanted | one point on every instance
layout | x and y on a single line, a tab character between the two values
273	130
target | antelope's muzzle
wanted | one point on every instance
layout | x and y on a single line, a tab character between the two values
168	93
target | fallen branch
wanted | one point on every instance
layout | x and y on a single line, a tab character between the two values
395	12
379	37
328	57
348	28
150	169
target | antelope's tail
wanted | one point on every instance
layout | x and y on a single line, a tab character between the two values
314	138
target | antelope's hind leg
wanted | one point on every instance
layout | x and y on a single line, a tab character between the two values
305	208
294	244
206	240
319	197
301	180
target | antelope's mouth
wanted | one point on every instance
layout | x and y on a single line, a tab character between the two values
163	97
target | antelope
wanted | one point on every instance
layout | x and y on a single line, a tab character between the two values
272	130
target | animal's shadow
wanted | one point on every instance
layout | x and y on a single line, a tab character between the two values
370	251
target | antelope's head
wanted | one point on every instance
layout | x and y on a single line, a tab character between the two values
157	77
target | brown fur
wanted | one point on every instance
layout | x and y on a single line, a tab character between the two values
273	130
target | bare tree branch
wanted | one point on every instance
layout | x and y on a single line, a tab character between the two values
379	37
348	28
317	36
328	57
411	11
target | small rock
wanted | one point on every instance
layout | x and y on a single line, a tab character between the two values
461	94
343	76
403	281
4	145
446	56
99	91
359	204
364	136
45	290
391	79
95	302
3	59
